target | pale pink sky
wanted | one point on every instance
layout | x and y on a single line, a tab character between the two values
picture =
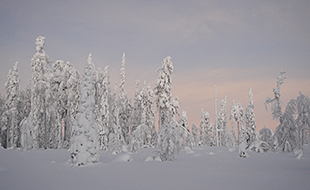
232	44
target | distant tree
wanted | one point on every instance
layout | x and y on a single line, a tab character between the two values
225	137
85	145
275	102
250	120
286	134
205	134
195	133
238	116
185	134
11	116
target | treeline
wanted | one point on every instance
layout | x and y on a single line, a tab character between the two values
63	109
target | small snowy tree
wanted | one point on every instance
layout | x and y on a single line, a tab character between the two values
237	116
266	135
168	140
205	134
85	145
185	134
195	133
225	137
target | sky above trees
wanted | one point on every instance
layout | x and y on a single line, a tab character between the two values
232	44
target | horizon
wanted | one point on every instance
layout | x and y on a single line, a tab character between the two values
234	46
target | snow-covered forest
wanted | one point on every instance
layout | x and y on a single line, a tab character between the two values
63	109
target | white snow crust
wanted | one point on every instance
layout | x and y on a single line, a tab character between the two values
49	169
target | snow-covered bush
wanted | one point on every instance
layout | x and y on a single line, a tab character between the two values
266	135
168	140
139	137
259	146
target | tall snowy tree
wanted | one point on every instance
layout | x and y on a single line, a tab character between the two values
163	89
146	97
124	104
103	112
85	145
116	139
250	120
40	95
11	116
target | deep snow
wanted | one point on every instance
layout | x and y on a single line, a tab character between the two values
204	168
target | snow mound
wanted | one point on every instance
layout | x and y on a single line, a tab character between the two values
211	153
259	146
153	158
123	158
298	154
188	150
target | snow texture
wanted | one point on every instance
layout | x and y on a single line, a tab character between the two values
47	169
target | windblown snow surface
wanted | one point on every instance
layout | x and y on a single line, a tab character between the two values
203	168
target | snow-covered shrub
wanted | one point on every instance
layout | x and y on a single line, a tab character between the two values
168	141
266	135
139	137
259	146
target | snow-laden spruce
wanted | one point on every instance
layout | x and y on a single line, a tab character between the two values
11	116
84	143
250	124
186	137
205	133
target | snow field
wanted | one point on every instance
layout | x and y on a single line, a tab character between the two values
206	168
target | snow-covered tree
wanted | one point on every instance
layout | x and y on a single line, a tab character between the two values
139	138
146	97
225	137
116	138
163	89
195	133
125	107
250	120
168	140
11	116
266	135
232	120
303	118
85	145
286	134
103	112
276	106
185	134
237	116
37	122
206	129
